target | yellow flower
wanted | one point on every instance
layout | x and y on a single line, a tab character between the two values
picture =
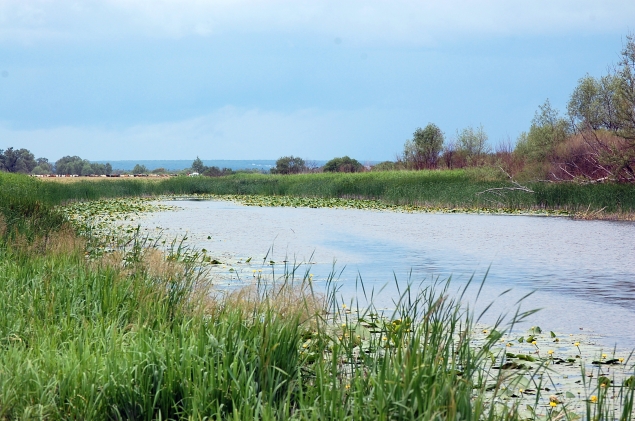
621	360
385	338
603	356
552	404
550	352
509	344
576	344
534	342
485	331
343	324
343	305
521	390
593	398
348	386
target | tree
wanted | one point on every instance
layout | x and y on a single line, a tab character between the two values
43	167
17	160
343	164
74	165
423	150
472	142
140	169
198	166
289	165
625	109
547	131
593	103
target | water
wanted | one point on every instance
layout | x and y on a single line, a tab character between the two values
582	272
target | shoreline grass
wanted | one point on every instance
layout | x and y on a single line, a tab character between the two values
135	334
455	189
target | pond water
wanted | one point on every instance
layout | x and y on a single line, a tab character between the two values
582	272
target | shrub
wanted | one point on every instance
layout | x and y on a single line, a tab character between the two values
343	164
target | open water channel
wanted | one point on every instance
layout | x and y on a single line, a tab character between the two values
582	273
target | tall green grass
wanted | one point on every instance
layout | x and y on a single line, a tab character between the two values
453	189
137	335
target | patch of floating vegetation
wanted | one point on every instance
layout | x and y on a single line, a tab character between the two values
363	204
562	374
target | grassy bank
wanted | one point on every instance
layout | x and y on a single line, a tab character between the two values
138	334
466	189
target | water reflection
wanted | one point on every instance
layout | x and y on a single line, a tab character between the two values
583	271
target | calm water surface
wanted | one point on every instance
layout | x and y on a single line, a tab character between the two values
582	272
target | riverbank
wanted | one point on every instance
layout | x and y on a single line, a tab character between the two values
473	190
131	333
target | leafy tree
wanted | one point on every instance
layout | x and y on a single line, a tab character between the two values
472	142
289	165
343	164
140	169
74	165
423	150
625	109
214	171
17	160
43	167
198	166
547	131
593	103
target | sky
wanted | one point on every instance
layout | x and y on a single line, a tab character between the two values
261	79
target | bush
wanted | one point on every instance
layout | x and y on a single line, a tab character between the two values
343	164
289	165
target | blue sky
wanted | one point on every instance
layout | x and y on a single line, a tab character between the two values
240	79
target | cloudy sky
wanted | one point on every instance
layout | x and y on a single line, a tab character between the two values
258	79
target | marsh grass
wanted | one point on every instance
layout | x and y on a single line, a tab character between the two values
447	189
137	334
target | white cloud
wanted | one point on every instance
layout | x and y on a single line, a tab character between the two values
228	133
355	21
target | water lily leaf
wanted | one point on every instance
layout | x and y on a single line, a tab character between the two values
553	335
570	395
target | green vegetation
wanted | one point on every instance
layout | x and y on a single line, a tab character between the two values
136	333
424	149
289	165
343	164
474	189
74	165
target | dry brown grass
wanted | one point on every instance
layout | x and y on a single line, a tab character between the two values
289	299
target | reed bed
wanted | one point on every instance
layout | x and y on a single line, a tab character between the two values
135	333
465	189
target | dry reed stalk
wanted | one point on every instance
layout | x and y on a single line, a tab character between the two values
285	300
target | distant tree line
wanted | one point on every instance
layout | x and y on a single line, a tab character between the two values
23	161
295	165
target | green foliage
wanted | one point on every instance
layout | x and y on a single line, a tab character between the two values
140	169
214	171
472	143
198	166
423	150
593	103
626	91
17	160
547	131
74	165
289	165
343	164
387	166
